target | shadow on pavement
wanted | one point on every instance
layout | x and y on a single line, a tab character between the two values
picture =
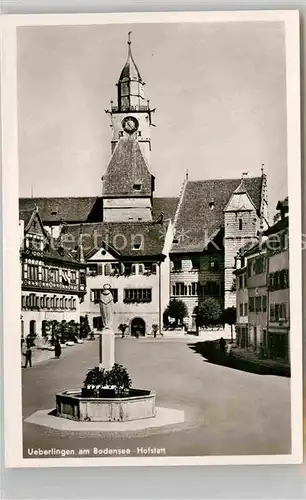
211	352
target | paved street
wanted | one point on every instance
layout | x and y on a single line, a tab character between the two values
227	411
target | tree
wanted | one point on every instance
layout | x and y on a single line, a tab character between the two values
177	310
122	327
208	312
229	317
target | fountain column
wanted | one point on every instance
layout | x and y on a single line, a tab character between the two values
107	337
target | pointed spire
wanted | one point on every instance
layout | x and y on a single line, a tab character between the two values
130	70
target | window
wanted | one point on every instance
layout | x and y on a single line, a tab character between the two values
99	268
272	312
258	304
283	312
240	281
264	303
180	289
137	295
244	281
249	269
92	269
82	278
73	277
246	309
95	294
149	268
137	187
251	304
177	265
277	311
141	268
271	281
195	264
32	272
240	224
241	310
193	289
211	288
213	264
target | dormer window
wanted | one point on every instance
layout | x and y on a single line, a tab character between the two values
137	187
137	246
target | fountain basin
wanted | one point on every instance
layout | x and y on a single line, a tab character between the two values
74	405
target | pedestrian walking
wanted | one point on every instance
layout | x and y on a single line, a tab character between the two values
57	349
28	356
222	345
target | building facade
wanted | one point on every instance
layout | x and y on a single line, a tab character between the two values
213	220
278	285
262	276
53	282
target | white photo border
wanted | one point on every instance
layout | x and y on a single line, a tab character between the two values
10	230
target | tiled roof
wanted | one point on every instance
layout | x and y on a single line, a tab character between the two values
278	226
68	209
165	205
197	223
83	209
126	169
119	235
53	250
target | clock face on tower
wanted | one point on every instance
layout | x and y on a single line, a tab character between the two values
130	124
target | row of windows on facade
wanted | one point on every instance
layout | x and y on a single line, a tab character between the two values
259	304
32	301
35	272
129	295
195	289
279	280
121	269
213	264
256	266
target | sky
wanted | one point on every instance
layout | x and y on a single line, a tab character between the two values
219	90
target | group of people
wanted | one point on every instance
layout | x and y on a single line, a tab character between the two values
26	349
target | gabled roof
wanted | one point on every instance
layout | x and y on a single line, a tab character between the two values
197	223
32	227
119	235
126	169
82	209
53	250
68	209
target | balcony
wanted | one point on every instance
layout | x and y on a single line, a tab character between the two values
127	109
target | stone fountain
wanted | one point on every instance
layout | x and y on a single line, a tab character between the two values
77	405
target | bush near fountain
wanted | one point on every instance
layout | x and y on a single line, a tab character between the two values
107	395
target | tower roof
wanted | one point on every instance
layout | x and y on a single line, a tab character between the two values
127	173
130	70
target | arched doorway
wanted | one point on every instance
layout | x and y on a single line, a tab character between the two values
138	327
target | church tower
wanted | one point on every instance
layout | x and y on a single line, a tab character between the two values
128	185
243	222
